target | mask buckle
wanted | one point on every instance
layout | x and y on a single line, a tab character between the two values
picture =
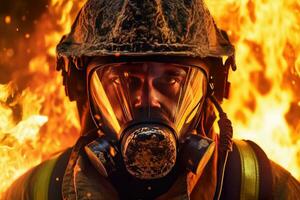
102	154
196	152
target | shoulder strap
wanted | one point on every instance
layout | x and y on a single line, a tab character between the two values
248	174
31	185
266	177
55	185
232	179
40	179
47	177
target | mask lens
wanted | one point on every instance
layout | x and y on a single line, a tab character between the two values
128	92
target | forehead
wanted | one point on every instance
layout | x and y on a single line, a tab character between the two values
167	62
150	67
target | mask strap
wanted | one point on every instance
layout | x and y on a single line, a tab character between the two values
225	145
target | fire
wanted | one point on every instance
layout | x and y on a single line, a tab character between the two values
37	120
264	103
19	132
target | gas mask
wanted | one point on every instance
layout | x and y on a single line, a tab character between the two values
147	113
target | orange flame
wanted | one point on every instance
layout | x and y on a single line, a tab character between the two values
264	106
19	135
267	40
38	121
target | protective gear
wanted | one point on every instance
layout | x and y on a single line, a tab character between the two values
49	180
143	28
126	94
149	151
149	108
138	103
173	27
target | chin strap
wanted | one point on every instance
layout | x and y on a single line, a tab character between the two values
225	146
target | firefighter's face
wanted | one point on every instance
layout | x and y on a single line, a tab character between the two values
147	107
147	86
122	93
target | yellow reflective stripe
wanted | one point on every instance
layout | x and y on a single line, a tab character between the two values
250	171
41	179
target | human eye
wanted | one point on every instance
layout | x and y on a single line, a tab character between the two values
170	80
114	79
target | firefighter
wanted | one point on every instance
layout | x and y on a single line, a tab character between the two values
146	76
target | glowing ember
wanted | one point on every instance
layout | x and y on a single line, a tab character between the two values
10	53
264	104
7	19
27	35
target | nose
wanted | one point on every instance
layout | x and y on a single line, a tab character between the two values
148	95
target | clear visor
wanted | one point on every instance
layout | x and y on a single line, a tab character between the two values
126	93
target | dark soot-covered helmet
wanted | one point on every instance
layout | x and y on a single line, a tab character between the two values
145	27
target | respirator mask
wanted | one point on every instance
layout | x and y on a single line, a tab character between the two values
147	112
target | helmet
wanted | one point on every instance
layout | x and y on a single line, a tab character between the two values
174	27
111	34
142	28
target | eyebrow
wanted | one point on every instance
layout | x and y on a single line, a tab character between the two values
176	72
137	68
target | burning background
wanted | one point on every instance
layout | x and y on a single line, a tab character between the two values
36	119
